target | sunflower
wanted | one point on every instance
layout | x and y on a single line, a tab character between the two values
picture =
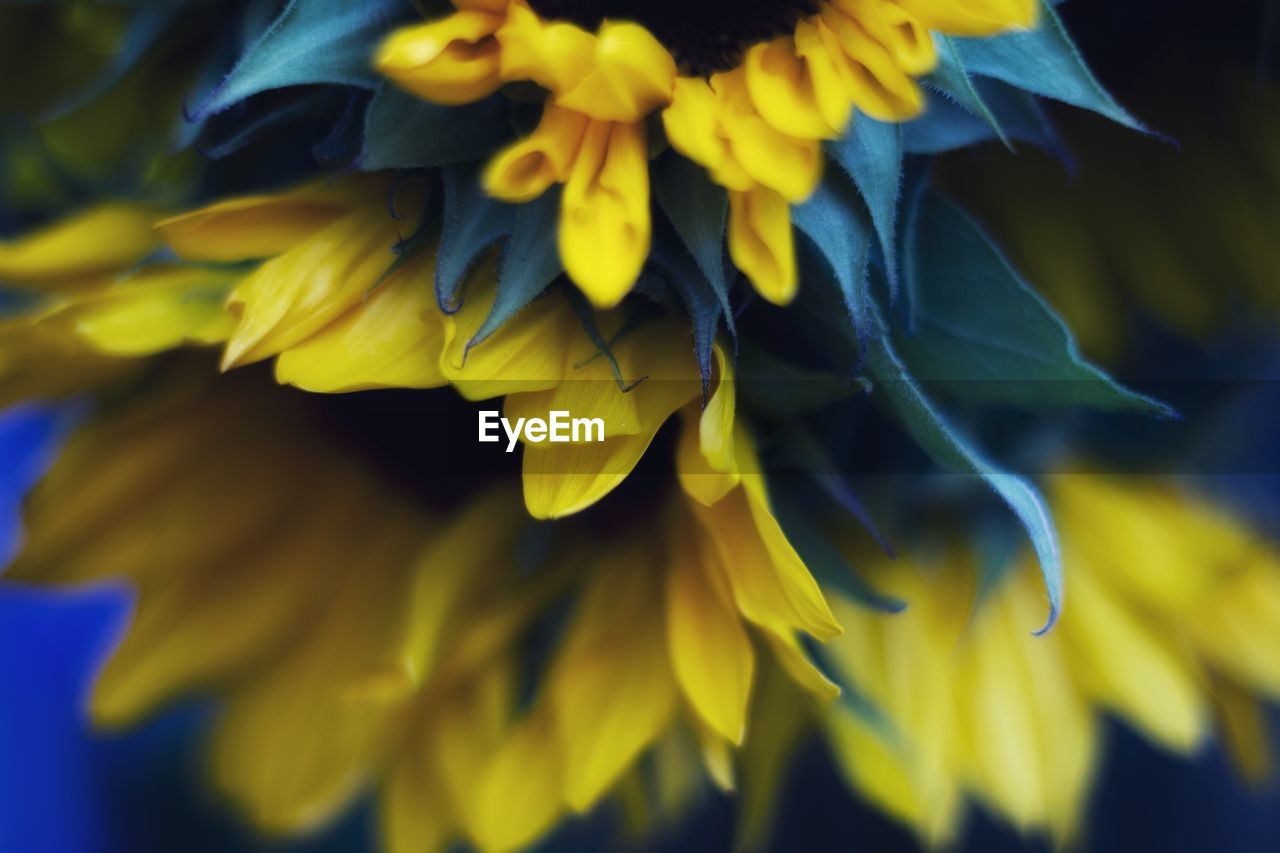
966	703
748	93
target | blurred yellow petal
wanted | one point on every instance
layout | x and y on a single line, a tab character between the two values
520	794
413	814
1131	666
604	217
102	239
256	226
295	746
1237	627
158	309
761	243
455	60
710	653
909	40
973	17
604	721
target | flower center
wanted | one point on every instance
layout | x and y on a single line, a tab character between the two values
704	36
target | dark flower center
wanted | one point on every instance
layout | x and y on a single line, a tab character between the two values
704	36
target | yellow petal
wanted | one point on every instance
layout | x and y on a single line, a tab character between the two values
455	60
560	479
251	607
555	55
710	653
604	722
103	239
520	794
1032	744
604	213
257	226
530	352
159	309
294	295
693	127
1134	667
630	76
789	165
393	339
873	78
699	480
909	40
973	17
794	86
761	243
770	582
525	169
413	815
296	745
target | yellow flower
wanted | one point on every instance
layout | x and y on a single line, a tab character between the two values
366	642
747	94
1173	605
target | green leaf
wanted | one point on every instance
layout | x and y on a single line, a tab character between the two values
530	262
1044	61
403	132
312	41
870	152
980	333
836	222
473	221
952	79
698	209
944	443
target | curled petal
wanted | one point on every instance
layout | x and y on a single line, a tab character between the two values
632	75
873	78
790	166
524	170
693	128
761	242
455	60
794	86
605	226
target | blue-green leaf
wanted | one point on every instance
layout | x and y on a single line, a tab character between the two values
870	152
980	333
697	208
836	222
953	80
530	262
473	221
403	132
673	262
1044	61
944	443
312	41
